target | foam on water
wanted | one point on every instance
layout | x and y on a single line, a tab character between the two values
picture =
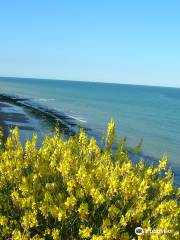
45	99
77	118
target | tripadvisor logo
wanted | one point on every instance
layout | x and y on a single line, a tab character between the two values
139	231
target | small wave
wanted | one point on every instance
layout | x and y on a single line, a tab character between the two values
46	99
77	118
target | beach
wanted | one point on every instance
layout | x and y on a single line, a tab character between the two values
29	120
12	116
2	122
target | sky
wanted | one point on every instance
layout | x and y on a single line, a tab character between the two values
132	42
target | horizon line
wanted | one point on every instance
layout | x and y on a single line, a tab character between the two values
88	81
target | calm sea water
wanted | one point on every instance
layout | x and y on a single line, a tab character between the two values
148	113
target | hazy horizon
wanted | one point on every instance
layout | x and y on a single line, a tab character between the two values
88	81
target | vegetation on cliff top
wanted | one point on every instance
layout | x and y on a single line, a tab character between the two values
73	189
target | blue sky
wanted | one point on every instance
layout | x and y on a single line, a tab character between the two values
129	41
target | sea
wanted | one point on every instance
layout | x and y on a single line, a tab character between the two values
142	113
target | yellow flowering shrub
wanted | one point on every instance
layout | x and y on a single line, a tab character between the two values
73	189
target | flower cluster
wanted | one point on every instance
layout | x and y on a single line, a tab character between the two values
73	189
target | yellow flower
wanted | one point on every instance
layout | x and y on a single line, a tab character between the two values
50	190
113	211
97	196
83	137
61	215
111	136
163	162
55	234
83	210
70	202
97	237
29	220
15	196
3	220
85	232
70	185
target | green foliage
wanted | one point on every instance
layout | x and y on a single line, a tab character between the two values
72	189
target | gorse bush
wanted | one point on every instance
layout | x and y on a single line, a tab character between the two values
73	189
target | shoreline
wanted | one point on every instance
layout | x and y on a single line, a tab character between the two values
29	118
10	117
3	126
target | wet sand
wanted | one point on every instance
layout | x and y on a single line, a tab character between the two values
28	120
11	116
2	123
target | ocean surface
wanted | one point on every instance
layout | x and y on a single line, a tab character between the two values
140	112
